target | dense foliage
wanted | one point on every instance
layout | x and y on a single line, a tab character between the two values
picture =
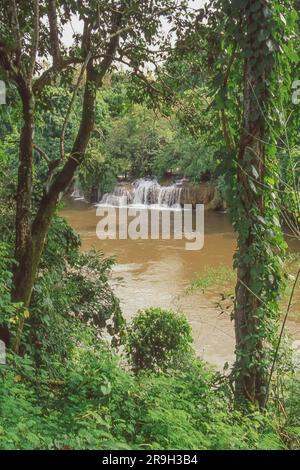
158	340
91	402
210	108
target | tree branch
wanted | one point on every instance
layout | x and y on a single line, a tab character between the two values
35	39
16	29
51	73
6	63
54	34
42	153
62	137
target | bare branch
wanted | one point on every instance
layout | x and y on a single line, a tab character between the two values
51	73
35	39
16	28
42	153
54	34
111	49
62	137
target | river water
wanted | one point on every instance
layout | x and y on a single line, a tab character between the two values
157	273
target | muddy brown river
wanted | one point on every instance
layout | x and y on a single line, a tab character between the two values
157	273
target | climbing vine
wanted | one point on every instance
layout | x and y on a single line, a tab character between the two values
256	50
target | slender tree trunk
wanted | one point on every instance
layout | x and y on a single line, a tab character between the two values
30	236
21	290
48	203
23	276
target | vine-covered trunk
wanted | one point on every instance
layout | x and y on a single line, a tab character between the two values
250	373
257	268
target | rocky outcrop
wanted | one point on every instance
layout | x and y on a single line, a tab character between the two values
202	194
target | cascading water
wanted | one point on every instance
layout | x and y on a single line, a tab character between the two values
120	196
144	192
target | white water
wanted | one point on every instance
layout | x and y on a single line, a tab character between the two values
120	196
144	192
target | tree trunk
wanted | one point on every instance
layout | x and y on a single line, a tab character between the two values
251	260
30	237
250	374
21	291
20	66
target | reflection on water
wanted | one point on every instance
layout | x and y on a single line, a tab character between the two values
156	273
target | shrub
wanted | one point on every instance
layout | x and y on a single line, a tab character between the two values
92	403
158	340
63	300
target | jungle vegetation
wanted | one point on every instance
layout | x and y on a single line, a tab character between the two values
145	88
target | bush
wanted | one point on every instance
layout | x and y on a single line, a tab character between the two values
158	340
63	300
71	289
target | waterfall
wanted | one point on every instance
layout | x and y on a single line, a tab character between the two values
120	196
144	192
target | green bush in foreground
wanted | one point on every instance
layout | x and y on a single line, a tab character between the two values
71	390
158	339
92	403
